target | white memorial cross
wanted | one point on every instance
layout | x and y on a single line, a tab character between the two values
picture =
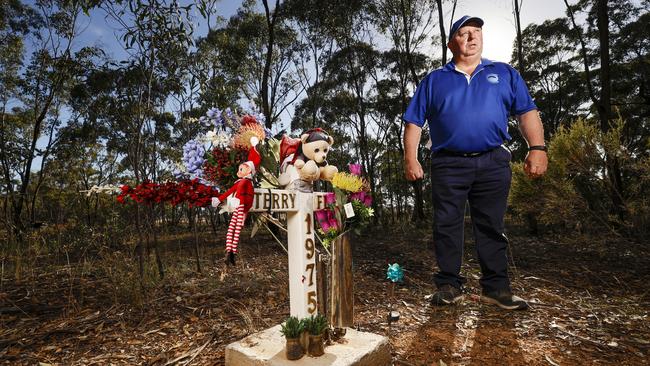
301	225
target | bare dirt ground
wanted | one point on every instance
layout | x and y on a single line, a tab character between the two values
590	305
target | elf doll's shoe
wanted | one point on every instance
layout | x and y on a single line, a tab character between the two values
230	258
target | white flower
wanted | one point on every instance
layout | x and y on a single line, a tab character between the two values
203	138
211	136
109	188
222	140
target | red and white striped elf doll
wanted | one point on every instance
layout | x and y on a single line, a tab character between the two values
239	200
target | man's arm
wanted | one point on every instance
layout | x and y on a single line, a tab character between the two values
532	130
412	168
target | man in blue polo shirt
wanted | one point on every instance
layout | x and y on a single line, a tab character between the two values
467	104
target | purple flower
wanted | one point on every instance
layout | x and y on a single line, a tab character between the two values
193	152
330	198
355	169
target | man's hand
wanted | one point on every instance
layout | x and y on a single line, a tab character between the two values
532	130
535	164
413	169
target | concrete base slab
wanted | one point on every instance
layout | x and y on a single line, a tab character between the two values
266	348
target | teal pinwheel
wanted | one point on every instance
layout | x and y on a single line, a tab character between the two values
395	273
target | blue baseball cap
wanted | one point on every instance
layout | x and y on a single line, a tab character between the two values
462	21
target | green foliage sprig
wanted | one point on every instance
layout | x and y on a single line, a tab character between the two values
315	325
292	327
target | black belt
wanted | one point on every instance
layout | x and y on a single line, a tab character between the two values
445	152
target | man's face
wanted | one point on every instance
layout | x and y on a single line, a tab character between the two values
467	41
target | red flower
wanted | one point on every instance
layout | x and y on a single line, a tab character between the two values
248	120
192	192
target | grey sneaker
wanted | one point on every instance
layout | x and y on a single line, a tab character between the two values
504	299
447	295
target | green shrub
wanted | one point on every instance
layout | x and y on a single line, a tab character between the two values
577	192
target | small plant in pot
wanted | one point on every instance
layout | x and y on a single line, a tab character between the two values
316	326
292	328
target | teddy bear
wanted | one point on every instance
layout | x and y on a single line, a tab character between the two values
304	160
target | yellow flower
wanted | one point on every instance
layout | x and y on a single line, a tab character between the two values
347	182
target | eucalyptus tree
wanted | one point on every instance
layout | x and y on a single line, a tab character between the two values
552	74
348	105
393	93
16	22
36	91
242	63
409	26
157	36
593	64
306	16
607	26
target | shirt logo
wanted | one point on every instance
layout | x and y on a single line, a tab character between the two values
493	78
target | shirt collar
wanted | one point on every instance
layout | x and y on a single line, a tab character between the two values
451	66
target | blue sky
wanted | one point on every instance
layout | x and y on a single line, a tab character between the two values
103	32
499	29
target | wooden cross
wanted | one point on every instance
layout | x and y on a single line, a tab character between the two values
299	207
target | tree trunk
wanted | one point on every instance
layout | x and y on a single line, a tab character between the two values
605	106
453	12
196	239
583	51
267	107
418	209
520	47
443	36
603	103
407	44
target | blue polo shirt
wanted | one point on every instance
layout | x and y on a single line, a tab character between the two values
469	116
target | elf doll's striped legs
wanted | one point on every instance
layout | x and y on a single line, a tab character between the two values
234	229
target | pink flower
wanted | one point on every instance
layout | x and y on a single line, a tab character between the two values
322	216
333	224
362	197
367	200
355	169
326	219
330	198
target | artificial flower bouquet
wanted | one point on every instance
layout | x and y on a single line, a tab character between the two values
214	156
348	207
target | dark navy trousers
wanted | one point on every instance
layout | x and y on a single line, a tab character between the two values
484	182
